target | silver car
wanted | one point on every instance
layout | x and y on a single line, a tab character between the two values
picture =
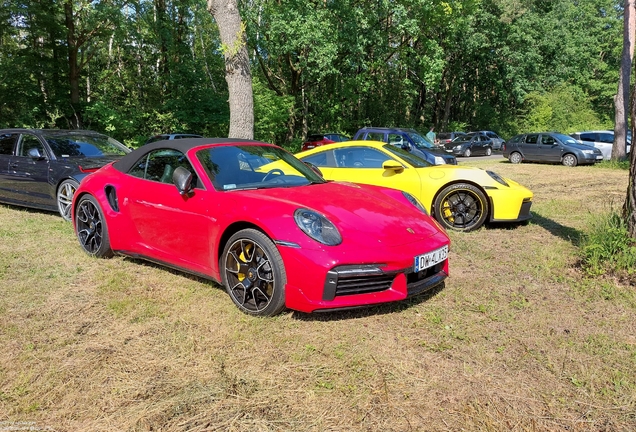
602	140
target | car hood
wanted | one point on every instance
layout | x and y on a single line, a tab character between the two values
93	162
580	146
363	214
452	144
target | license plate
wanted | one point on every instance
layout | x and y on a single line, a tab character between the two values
427	260
599	157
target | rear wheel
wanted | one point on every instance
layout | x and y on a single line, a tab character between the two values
65	193
91	228
515	158
569	160
253	273
461	207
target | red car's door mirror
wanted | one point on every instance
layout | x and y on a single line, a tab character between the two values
182	178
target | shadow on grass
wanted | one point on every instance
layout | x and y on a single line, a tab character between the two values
564	232
366	311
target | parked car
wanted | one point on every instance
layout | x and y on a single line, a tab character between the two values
322	139
409	140
171	137
497	141
460	198
252	217
446	137
42	168
550	147
602	140
471	144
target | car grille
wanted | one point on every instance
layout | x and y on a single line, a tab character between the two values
352	280
524	213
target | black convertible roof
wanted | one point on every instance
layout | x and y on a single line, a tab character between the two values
183	145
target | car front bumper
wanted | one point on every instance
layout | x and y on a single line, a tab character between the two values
510	204
337	277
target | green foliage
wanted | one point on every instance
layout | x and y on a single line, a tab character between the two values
607	247
564	109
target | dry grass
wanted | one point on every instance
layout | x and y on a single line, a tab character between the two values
517	339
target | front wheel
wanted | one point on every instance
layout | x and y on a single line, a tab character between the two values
91	228
65	193
461	207
253	273
569	160
467	152
488	151
515	158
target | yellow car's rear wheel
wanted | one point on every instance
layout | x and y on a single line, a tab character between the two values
461	207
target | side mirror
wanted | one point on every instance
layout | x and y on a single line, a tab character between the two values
392	165
314	168
182	178
407	146
34	153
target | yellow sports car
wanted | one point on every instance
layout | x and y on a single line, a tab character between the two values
459	197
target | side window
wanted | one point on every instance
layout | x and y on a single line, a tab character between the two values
7	142
396	139
159	165
547	140
360	157
29	142
606	138
532	139
588	137
323	159
375	136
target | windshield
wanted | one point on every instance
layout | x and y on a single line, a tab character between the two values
410	158
462	138
254	167
84	145
565	139
420	141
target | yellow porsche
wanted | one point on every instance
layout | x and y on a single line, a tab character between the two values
460	198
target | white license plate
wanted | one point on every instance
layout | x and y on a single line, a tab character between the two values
427	260
599	157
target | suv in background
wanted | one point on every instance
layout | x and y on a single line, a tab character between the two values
602	140
407	139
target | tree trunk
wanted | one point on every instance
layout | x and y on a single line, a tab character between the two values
73	66
237	67
629	208
621	100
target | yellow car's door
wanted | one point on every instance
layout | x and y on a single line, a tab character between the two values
368	165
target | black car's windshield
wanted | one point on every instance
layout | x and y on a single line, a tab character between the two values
254	167
464	138
410	158
84	145
420	141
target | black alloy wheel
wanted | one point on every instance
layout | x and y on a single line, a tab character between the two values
461	207
92	231
253	273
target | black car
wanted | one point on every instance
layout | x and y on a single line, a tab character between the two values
471	144
550	147
410	140
42	168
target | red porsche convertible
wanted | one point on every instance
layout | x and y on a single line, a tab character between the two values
268	227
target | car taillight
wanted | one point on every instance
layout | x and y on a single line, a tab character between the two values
87	170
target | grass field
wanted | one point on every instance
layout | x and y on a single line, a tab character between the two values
518	339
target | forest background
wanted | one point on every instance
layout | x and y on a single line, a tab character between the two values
132	69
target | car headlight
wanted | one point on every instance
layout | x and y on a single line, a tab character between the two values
458	147
498	178
317	227
439	160
415	202
588	151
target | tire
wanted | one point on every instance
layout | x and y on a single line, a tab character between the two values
569	160
461	207
515	158
91	228
65	192
253	273
467	152
488	151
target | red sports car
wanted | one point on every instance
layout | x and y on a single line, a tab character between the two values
269	228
